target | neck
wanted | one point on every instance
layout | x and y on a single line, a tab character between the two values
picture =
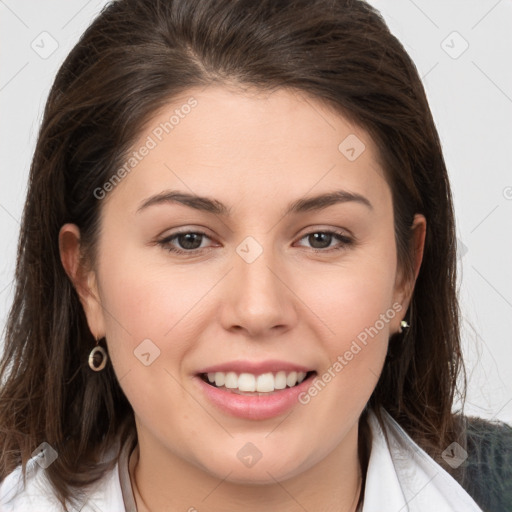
332	485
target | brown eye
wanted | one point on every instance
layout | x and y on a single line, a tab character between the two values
320	241
186	241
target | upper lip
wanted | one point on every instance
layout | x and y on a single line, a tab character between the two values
255	367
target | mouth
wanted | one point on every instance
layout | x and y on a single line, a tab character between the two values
264	384
255	396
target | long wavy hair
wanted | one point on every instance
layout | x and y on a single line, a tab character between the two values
137	56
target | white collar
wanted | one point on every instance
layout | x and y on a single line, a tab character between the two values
401	477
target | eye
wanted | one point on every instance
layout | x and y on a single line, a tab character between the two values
321	240
190	242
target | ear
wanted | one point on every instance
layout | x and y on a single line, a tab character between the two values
84	280
404	286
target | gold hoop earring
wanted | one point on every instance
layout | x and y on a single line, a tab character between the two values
98	358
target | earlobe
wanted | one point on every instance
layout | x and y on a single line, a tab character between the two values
84	281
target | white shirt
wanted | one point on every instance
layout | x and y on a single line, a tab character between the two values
400	478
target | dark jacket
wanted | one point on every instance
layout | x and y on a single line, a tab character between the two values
487	472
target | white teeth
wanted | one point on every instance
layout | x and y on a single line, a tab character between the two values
291	379
280	380
264	383
246	382
230	380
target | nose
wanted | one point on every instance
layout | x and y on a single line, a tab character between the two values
259	299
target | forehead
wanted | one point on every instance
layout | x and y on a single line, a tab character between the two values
238	145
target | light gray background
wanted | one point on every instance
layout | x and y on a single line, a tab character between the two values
470	94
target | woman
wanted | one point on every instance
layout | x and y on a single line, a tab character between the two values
236	281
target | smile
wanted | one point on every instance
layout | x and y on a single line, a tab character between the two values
254	384
254	405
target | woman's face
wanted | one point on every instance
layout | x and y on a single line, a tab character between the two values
265	282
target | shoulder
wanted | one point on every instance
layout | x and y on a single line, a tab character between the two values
36	494
420	483
15	494
487	471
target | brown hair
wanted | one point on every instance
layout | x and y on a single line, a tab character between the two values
137	56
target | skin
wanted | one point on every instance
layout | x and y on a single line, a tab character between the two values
255	153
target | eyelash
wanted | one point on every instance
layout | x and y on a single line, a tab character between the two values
345	241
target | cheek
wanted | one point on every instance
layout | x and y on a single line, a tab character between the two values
357	312
145	298
144	302
148	309
355	304
351	296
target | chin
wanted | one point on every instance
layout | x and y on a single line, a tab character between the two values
264	471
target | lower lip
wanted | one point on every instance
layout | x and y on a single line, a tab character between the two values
255	407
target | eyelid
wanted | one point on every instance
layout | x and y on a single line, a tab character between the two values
326	229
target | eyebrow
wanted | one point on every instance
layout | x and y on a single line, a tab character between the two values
210	205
